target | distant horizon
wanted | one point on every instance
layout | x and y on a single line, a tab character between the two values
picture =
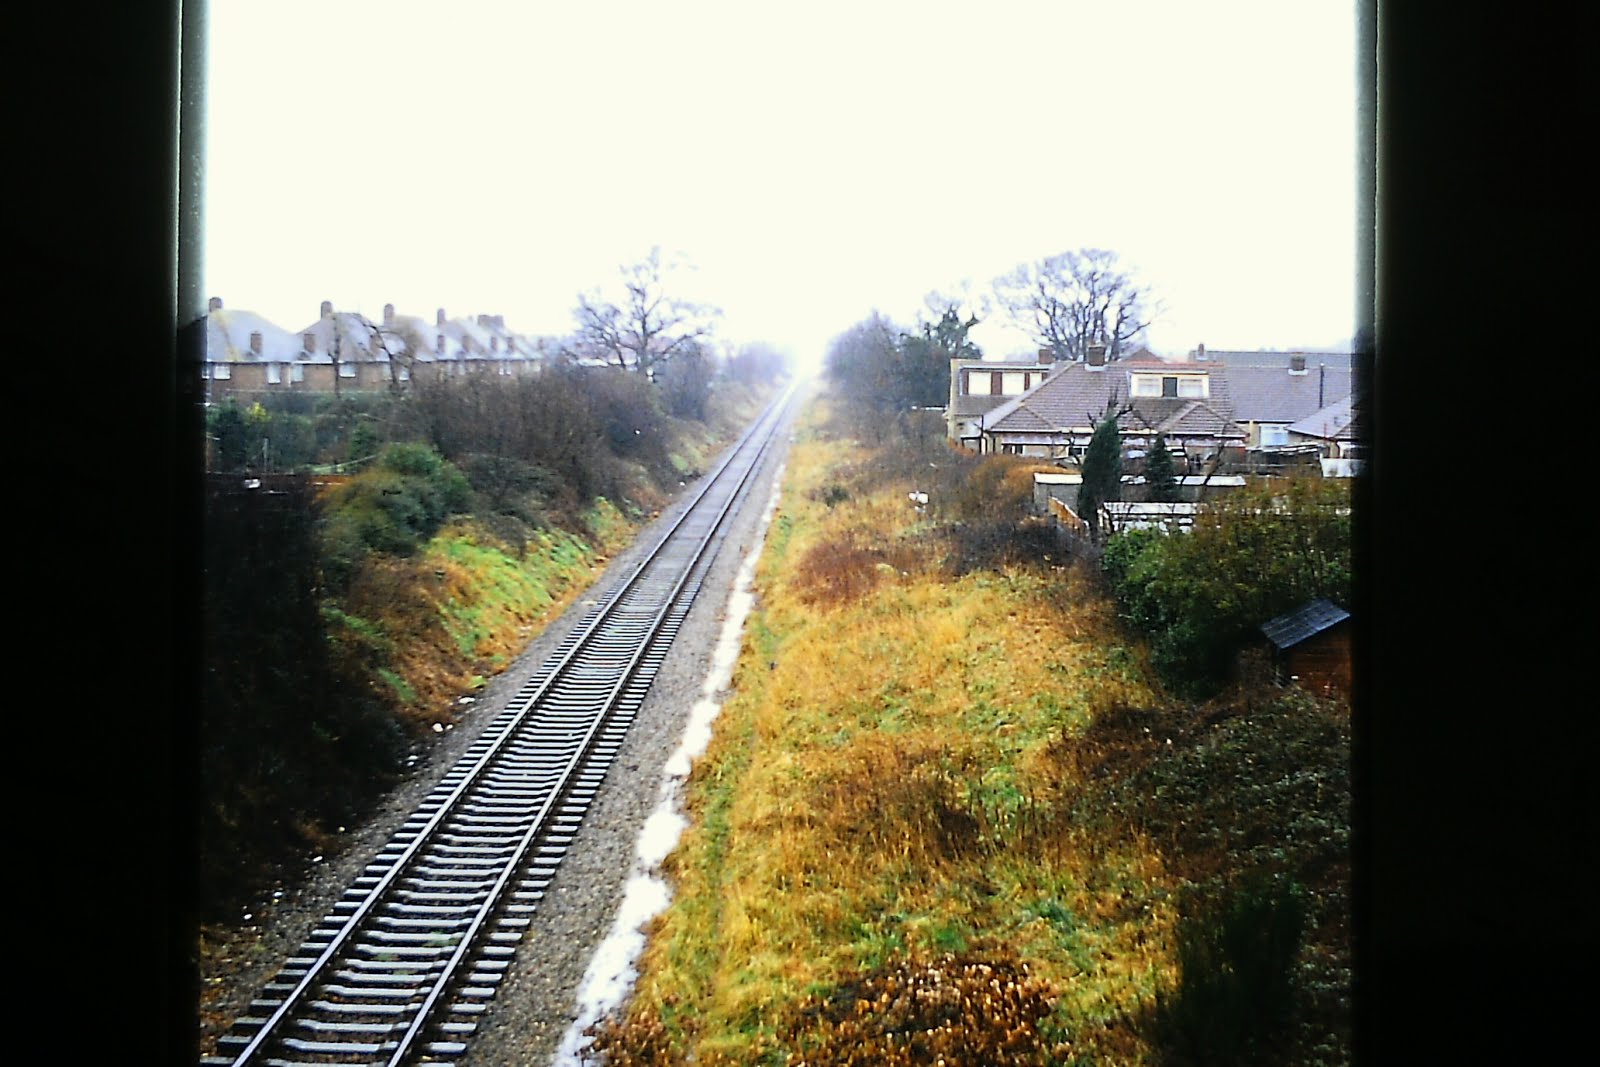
811	167
1022	347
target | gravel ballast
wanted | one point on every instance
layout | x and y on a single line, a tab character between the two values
537	1001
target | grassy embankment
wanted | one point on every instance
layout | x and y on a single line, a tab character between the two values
438	623
405	639
956	817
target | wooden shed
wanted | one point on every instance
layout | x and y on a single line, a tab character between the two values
1311	647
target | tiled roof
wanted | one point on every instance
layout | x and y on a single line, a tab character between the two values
355	338
968	404
1274	358
1274	394
228	339
1193	417
1075	397
1308	620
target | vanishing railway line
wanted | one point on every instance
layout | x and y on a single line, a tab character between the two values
406	963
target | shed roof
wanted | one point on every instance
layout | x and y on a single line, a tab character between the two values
1336	422
1308	620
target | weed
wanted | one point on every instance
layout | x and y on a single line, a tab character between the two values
967	1010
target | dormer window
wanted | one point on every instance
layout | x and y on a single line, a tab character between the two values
1189	386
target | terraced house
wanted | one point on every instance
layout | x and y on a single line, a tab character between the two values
248	356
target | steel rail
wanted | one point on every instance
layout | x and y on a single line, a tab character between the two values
588	631
424	1013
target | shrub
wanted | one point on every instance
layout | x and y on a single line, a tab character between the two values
1252	555
1236	975
289	733
392	508
961	1010
839	571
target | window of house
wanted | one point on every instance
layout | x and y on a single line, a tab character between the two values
1012	450
274	373
1013	384
297	372
1184	385
405	373
347	370
221	372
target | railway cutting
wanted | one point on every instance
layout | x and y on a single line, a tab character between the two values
403	968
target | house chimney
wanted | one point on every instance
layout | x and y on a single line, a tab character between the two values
439	321
308	341
255	342
214	304
1096	354
1297	363
440	343
494	344
327	308
388	314
1200	352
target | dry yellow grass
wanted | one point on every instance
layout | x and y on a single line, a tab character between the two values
878	791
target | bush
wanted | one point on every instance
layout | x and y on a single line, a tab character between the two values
393	508
1202	595
1236	976
290	736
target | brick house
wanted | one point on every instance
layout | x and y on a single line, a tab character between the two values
249	357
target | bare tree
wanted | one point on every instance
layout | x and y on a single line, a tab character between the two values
648	325
1069	301
969	302
400	347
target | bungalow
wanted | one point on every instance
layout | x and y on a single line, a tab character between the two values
1191	405
1268	399
1202	406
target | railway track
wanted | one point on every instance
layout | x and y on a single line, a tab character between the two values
407	962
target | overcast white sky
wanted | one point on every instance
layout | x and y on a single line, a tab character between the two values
814	161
